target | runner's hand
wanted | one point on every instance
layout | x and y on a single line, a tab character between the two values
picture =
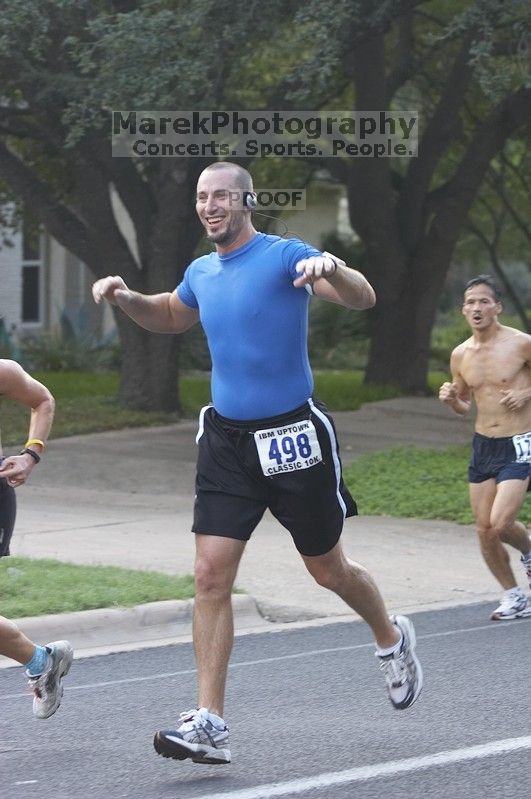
448	392
513	399
112	289
16	469
316	267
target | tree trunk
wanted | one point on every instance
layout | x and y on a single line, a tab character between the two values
399	348
150	368
150	361
401	323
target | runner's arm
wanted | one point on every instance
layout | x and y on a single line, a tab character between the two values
332	280
19	386
158	313
456	394
516	398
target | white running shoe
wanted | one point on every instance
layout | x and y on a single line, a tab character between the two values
196	737
402	669
47	687
513	605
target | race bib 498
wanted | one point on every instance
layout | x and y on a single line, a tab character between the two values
289	448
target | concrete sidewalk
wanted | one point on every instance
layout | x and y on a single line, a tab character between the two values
125	498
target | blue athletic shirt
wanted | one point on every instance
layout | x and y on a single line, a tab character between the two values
256	324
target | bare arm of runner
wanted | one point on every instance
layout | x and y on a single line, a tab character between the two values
332	280
158	313
456	394
17	385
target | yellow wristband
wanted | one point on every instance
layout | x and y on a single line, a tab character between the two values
34	441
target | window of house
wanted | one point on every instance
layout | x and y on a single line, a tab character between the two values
31	295
32	264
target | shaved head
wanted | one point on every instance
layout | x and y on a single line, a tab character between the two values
242	178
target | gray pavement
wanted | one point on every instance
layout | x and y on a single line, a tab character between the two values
125	498
315	699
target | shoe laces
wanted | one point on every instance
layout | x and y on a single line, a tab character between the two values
509	600
35	686
394	667
191	720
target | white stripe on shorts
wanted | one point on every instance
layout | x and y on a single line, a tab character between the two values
335	455
201	429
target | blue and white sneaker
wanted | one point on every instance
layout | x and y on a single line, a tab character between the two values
196	737
514	605
402	669
48	687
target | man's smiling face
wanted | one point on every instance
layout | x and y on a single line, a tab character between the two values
219	206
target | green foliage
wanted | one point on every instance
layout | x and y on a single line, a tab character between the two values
38	587
195	393
416	483
345	391
7	347
339	338
66	385
54	353
170	68
75	348
499	49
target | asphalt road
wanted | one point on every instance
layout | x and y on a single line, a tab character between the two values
308	713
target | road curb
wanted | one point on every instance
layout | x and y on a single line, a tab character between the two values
121	629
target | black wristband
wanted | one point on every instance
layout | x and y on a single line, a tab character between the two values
32	454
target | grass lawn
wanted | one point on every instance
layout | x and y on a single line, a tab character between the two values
37	587
417	483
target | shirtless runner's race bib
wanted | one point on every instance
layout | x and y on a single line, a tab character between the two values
288	448
522	446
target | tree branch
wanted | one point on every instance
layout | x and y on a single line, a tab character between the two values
136	194
91	198
64	225
369	184
499	188
438	135
505	119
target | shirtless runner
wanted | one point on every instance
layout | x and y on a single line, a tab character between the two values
493	368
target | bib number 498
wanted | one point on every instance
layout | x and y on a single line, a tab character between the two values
287	449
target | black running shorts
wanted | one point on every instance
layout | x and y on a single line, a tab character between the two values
8	511
289	464
500	458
